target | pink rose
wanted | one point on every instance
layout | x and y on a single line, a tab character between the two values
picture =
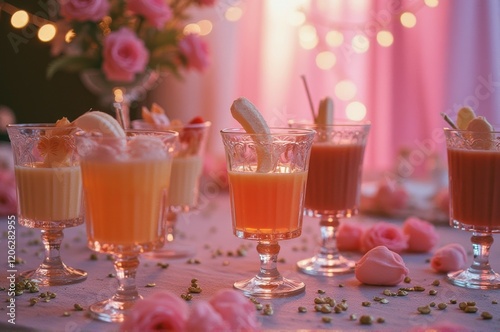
8	199
422	235
194	52
84	10
236	310
381	267
162	311
441	327
384	234
451	257
156	12
124	55
349	236
204	318
390	197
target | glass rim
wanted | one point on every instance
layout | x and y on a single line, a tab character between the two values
453	130
336	123
41	125
274	131
86	134
204	124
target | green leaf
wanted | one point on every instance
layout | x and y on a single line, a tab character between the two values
71	64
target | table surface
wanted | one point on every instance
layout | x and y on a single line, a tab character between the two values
209	231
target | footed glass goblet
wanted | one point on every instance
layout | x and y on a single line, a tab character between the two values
184	193
267	178
333	189
49	193
125	184
474	184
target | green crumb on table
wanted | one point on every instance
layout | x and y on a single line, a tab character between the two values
93	257
326	319
366	320
302	309
486	315
151	284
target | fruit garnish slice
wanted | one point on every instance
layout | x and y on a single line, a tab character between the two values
97	121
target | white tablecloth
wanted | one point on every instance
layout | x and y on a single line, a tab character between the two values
210	230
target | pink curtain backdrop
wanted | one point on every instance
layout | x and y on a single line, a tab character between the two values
449	59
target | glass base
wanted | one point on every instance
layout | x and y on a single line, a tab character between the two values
172	250
256	287
470	279
321	266
55	277
110	310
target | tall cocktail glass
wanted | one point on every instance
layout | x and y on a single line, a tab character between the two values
474	184
333	189
49	193
125	185
267	205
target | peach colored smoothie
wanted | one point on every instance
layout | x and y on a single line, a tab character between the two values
126	199
186	172
48	194
267	205
475	187
334	177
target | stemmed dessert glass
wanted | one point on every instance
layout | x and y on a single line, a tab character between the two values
267	201
187	169
474	184
333	189
125	184
49	193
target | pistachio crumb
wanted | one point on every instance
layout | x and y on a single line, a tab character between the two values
442	306
302	309
486	315
381	320
326	319
407	279
424	310
366	320
436	282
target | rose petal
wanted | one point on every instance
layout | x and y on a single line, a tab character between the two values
349	236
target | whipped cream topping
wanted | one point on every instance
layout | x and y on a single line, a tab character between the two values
381	267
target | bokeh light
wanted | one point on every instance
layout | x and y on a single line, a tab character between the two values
206	27
345	90
360	44
385	38
308	38
191	28
326	60
233	14
47	32
355	111
296	18
408	20
431	3
19	19
334	38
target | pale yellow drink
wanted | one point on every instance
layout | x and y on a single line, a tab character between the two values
48	194
124	200
186	173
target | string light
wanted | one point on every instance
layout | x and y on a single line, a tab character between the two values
326	60
233	14
408	20
385	38
19	19
47	32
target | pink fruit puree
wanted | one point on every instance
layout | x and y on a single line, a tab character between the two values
475	187
334	177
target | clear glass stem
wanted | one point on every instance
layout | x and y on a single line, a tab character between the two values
328	261
115	309
328	229
52	271
171	221
126	269
268	253
52	239
480	274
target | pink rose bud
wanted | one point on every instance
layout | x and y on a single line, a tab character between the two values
451	257
163	310
349	236
422	235
381	267
384	234
124	55
205	318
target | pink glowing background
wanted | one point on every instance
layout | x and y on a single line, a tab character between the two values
401	80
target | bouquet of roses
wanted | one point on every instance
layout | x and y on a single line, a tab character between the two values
123	38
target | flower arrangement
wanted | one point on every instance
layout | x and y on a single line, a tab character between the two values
124	38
